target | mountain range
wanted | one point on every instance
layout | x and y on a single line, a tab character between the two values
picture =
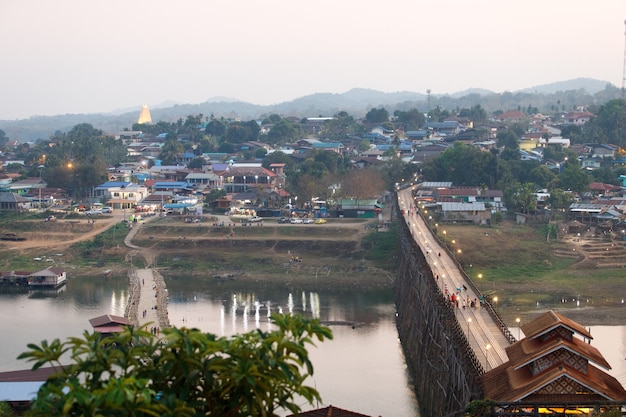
580	92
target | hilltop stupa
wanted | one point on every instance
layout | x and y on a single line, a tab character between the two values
144	116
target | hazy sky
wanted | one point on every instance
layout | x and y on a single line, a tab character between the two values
83	56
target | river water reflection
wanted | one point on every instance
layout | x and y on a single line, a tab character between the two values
362	369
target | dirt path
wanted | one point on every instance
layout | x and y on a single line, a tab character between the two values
50	241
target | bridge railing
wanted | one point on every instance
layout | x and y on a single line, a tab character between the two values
492	312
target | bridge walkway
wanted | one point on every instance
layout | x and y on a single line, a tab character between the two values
484	334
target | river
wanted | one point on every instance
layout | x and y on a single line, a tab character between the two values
362	369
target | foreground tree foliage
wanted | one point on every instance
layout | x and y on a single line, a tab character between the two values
186	373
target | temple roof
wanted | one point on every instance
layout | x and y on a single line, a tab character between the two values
549	321
552	369
529	350
506	384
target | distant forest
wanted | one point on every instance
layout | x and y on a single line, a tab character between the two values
547	100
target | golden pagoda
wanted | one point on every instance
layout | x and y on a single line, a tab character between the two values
144	116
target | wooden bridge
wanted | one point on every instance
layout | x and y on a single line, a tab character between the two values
485	331
447	346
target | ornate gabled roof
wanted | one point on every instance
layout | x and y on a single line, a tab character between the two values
530	350
505	384
550	321
551	365
330	411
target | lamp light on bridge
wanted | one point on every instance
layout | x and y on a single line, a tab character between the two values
444	237
495	303
469	320
518	320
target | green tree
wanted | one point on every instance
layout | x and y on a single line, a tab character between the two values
438	114
411	119
272	119
525	198
3	140
378	115
284	131
196	163
364	145
463	165
171	149
508	139
187	373
277	157
610	124
341	126
542	176
216	127
6	410
573	178
240	132
214	195
559	199
476	114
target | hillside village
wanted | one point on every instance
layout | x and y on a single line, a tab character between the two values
246	179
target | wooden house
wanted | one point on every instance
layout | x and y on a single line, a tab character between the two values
47	278
109	324
554	364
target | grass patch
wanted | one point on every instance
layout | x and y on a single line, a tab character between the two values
382	248
106	248
519	264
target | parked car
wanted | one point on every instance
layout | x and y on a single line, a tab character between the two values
283	220
308	221
295	220
106	210
93	212
51	219
320	221
255	219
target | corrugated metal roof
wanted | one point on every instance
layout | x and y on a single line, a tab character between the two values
435	184
19	391
463	206
587	208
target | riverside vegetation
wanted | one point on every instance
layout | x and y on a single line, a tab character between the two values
516	262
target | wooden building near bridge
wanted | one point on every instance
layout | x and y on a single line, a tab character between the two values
554	364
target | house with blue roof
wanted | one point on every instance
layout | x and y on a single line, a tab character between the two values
375	137
185	158
448	128
175	186
328	146
416	134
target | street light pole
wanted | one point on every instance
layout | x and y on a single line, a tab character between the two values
518	328
469	320
40	180
487	347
